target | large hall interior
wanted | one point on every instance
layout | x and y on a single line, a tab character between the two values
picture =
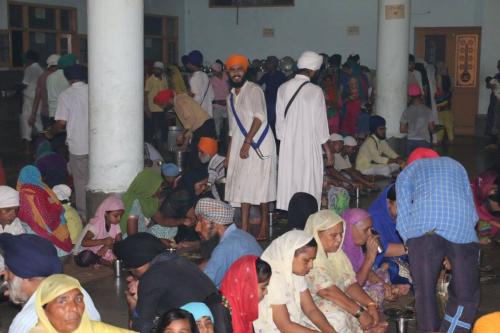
249	166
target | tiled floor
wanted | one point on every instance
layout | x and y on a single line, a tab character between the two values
107	292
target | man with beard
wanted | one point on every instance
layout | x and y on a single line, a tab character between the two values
29	259
375	157
215	221
251	156
302	128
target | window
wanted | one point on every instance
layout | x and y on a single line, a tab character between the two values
45	29
4	48
161	39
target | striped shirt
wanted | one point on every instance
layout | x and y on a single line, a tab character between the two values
434	195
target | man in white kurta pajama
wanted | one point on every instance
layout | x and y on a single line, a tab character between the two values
251	179
302	133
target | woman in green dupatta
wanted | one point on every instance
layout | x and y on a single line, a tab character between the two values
141	203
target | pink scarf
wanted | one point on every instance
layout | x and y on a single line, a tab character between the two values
97	225
354	252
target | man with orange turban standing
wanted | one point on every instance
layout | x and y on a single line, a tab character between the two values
251	156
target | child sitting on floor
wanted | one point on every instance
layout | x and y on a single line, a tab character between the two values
73	220
9	222
97	238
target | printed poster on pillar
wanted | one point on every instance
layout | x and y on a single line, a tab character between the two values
467	50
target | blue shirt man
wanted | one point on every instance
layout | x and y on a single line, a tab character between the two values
271	81
215	220
436	219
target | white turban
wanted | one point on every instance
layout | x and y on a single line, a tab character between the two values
350	141
310	60
62	191
8	197
336	137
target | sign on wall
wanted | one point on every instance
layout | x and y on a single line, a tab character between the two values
467	50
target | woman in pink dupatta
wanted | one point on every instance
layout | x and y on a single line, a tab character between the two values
485	191
103	230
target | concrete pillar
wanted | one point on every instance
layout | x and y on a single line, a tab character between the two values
392	62
116	81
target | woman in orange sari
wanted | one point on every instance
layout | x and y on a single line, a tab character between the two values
40	209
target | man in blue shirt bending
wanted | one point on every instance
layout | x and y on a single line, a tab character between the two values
437	219
215	220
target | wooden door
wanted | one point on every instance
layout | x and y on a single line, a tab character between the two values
458	48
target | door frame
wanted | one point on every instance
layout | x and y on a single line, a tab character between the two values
419	51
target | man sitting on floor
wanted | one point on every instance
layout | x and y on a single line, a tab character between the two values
375	157
344	166
215	220
29	259
207	152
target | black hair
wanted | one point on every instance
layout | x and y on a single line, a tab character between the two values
391	194
32	55
176	314
312	243
411	58
263	270
346	65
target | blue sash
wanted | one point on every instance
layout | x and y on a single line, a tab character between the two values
255	145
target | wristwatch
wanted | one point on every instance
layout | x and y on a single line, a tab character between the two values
359	312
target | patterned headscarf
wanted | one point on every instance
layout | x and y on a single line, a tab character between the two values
215	211
240	287
338	199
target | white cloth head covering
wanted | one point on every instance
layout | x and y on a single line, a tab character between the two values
53	59
350	141
336	137
158	64
8	197
62	191
310	60
336	264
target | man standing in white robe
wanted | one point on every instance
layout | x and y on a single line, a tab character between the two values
302	132
251	156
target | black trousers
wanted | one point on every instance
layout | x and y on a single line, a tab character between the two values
426	254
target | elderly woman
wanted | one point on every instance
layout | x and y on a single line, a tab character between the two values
40	209
289	302
383	212
332	280
60	308
358	233
244	286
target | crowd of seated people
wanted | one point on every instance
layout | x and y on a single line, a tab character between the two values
333	270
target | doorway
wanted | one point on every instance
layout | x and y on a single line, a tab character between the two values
458	48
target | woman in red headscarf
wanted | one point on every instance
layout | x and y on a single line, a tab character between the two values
244	286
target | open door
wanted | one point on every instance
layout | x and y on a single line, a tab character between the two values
458	48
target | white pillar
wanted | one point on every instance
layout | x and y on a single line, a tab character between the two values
115	43
392	61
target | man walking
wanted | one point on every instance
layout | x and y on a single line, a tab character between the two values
302	128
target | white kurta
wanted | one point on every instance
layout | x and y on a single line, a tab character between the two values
250	180
301	134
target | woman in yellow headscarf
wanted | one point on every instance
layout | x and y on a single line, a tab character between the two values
60	308
332	281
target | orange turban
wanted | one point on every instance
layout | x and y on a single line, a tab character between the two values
207	146
237	59
488	323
